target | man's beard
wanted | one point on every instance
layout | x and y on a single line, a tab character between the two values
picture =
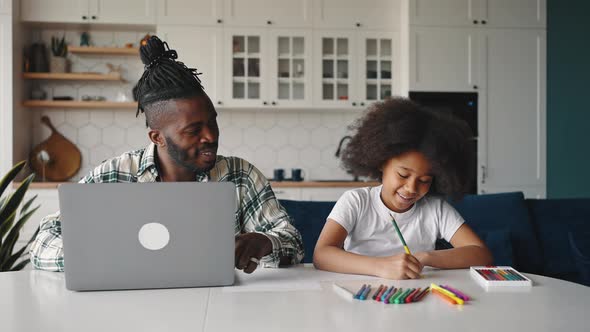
179	156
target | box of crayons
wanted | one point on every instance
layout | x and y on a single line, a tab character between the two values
495	277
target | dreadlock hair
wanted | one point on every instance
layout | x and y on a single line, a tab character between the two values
398	125
163	79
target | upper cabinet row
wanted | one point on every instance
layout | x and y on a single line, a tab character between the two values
346	14
479	13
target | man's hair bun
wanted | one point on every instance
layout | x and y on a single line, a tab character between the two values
153	50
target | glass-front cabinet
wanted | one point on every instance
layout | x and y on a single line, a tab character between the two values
245	67
353	69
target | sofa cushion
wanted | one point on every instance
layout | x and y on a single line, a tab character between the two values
580	247
309	218
553	220
505	211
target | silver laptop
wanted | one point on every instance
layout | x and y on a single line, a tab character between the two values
148	235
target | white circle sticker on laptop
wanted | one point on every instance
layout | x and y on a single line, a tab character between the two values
154	236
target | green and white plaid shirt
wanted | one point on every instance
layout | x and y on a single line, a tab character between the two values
258	209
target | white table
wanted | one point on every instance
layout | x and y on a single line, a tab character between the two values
294	299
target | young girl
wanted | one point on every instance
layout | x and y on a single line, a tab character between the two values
413	152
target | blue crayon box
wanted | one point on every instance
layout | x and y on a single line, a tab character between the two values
499	277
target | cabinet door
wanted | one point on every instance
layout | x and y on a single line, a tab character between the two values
350	14
443	59
458	13
293	194
200	48
515	108
334	68
290	72
275	13
247	66
377	66
123	12
63	11
194	12
6	93
514	14
5	6
322	194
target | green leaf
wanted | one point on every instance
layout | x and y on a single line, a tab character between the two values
6	226
27	204
8	247
10	176
21	265
6	265
15	199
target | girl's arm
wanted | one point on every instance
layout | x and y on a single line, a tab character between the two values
329	255
469	250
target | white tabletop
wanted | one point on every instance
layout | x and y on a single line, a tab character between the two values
294	299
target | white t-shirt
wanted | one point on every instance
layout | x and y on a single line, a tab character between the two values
370	231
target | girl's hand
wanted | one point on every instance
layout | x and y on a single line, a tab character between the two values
402	266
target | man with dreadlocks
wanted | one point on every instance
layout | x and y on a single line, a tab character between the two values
184	137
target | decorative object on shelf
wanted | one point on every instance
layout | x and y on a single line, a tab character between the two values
62	98
59	50
84	39
117	70
38	58
56	158
93	98
10	224
38	94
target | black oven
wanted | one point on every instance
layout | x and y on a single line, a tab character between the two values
460	104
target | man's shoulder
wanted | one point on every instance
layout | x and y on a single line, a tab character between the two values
122	168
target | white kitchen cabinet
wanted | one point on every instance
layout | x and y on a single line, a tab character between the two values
352	68
292	194
5	6
89	11
267	67
6	92
514	108
262	13
322	194
479	13
200	48
444	59
349	14
190	12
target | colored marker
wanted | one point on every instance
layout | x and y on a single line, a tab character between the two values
401	298
516	274
366	293
421	294
443	296
393	295
447	293
360	291
412	294
379	291
386	294
398	295
456	292
399	233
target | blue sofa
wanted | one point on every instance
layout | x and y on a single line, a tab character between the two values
543	236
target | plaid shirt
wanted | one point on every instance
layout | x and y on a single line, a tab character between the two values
258	209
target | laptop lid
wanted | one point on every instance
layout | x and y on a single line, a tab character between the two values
148	235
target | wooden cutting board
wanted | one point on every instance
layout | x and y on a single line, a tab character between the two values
56	158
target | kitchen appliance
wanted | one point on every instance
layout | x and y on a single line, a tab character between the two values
462	105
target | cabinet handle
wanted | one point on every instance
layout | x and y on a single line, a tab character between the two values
358	25
483	174
483	22
274	103
475	21
475	87
84	17
264	103
269	22
219	21
362	104
353	104
219	102
94	17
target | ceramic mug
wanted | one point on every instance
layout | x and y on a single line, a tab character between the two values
278	174
297	174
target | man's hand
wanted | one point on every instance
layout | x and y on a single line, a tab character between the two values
250	247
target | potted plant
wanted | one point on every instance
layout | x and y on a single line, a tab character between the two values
12	222
59	51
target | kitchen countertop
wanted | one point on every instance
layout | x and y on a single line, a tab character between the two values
274	184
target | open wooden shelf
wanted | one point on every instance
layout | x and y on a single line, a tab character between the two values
73	76
104	50
79	104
